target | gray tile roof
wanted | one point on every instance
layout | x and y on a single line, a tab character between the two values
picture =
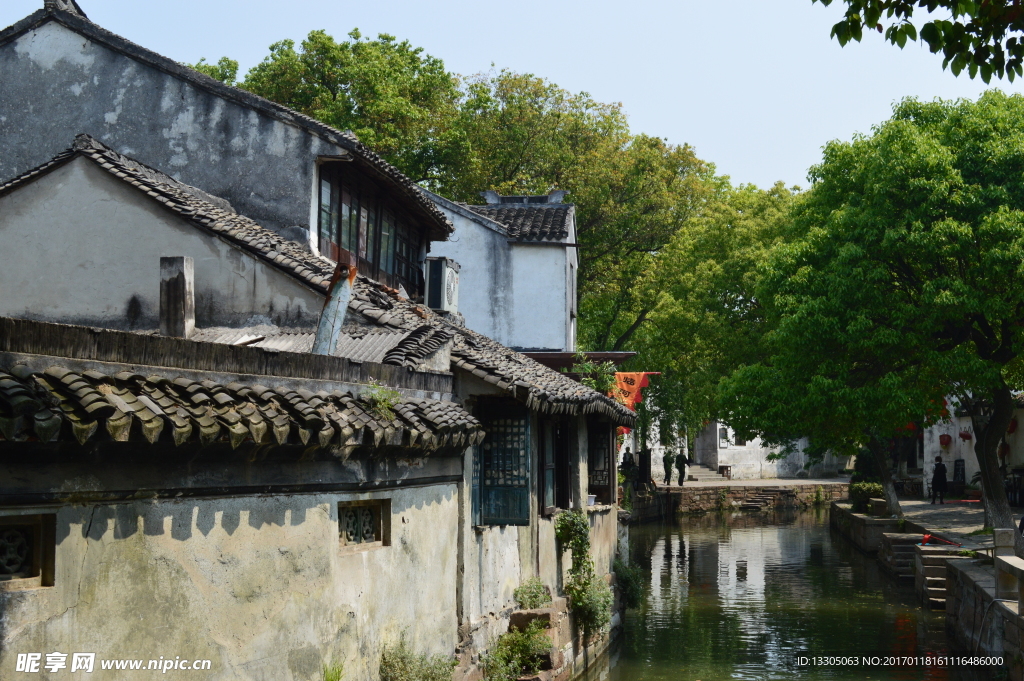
207	212
62	405
423	330
435	220
530	222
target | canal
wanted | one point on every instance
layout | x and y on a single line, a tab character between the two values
745	596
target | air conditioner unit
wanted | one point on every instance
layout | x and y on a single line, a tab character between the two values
442	279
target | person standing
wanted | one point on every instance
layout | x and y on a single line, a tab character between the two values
939	480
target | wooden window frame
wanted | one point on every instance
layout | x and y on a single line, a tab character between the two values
361	239
502	477
554	457
601	482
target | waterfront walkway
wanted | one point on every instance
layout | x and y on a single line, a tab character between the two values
755	482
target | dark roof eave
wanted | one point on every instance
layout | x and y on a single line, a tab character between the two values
437	223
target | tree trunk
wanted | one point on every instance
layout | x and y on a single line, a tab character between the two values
990	422
878	452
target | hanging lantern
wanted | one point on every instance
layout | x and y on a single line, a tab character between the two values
1012	428
945	439
964	435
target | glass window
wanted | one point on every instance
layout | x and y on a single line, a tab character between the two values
387	245
364	221
502	494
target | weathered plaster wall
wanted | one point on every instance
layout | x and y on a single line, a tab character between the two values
485	281
540	312
258	585
89	249
58	84
961	449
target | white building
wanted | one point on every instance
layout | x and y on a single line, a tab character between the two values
520	244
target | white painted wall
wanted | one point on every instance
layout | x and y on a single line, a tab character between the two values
749	461
521	294
83	247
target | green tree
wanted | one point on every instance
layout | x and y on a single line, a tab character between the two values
225	70
984	36
399	101
703	319
904	283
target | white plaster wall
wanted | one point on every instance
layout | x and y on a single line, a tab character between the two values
486	287
540	316
83	247
750	461
258	585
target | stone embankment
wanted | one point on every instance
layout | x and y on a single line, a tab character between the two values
666	502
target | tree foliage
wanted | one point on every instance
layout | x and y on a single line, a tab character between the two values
903	283
225	70
984	36
399	101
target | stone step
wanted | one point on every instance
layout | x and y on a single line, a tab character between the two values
936	603
935	571
751	507
935	592
935	582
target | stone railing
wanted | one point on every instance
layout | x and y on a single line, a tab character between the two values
1009	569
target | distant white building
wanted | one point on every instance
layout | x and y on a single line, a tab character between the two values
718	447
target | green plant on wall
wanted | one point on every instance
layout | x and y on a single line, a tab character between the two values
516	653
333	671
819	497
531	594
381	399
599	376
590	598
630	579
399	663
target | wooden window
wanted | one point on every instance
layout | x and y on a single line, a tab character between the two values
502	465
600	463
357	222
364	524
555	474
27	551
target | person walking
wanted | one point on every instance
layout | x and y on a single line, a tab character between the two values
681	462
668	459
939	480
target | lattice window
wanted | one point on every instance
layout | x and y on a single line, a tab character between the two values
502	461
364	524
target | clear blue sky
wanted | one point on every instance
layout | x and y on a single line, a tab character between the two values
756	86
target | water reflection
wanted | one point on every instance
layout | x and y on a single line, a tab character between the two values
743	596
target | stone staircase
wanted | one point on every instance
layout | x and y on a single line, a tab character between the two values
930	573
896	554
701	473
766	498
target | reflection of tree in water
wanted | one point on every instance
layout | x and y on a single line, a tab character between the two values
732	596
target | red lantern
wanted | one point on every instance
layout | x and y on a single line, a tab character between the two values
964	435
945	439
1012	428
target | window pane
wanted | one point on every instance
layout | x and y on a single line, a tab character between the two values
371	231
363	223
324	232
345	237
549	487
387	255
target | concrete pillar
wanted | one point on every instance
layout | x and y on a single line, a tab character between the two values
177	297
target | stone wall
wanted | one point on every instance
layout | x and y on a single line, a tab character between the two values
665	504
978	624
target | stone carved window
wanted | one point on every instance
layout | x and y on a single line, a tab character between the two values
27	551
364	524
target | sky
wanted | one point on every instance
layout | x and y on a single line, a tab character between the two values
757	87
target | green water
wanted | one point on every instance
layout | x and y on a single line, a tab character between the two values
745	596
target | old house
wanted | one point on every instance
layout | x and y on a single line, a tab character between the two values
518	268
285	457
721	449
